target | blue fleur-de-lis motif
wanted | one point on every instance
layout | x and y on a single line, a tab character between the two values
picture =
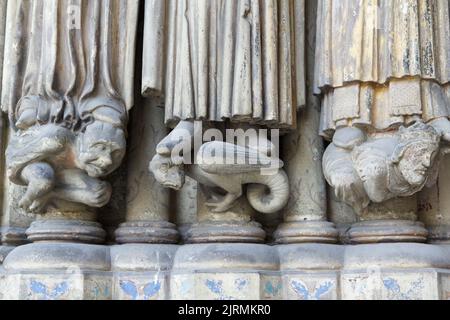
302	290
41	289
391	285
395	291
216	286
322	289
129	288
240	283
148	290
38	287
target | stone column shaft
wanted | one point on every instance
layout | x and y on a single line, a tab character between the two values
434	206
305	215
148	208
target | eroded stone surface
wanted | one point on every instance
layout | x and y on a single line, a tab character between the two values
326	68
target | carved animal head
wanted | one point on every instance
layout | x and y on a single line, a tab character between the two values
100	148
416	153
167	173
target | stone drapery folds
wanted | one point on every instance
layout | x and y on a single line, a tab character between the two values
69	67
238	63
381	70
221	82
215	60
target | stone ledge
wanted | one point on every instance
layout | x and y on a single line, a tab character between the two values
58	256
226	256
295	257
397	255
142	257
227	271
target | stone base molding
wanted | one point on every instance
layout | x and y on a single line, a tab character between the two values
227	271
147	232
388	231
306	232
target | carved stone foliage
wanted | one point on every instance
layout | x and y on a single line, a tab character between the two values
67	89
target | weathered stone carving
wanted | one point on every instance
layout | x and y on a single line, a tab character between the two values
234	62
66	88
387	72
381	66
215	173
382	168
148	204
433	206
57	163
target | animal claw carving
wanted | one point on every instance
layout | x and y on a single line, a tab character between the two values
225	204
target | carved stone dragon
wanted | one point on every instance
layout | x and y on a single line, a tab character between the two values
267	186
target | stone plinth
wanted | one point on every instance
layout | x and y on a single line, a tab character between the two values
310	271
391	271
141	271
396	271
224	271
236	225
394	220
57	271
